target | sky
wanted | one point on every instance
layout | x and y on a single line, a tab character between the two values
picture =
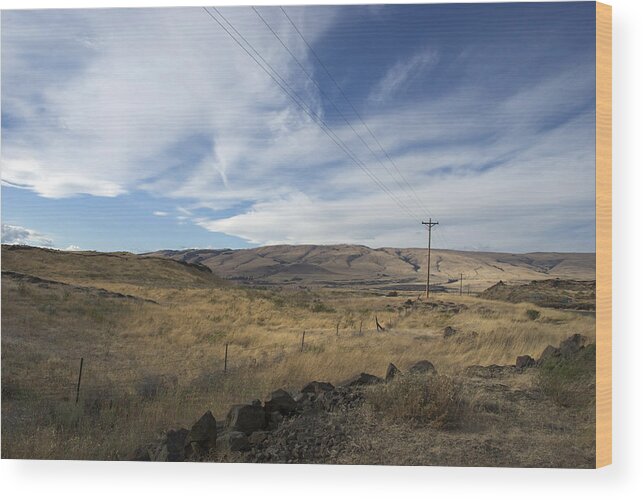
147	129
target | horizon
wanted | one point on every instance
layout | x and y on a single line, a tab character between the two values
223	249
150	129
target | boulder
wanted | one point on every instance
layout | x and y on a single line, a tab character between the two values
449	331
233	441
525	361
572	345
362	379
172	446
203	433
318	387
423	366
549	353
246	418
280	401
391	372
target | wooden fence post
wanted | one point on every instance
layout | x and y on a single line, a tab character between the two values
303	336
225	359
80	375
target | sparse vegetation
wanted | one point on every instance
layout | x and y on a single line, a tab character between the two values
154	349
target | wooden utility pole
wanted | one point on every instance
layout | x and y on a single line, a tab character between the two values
429	225
460	283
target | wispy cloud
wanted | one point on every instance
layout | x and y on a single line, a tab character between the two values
401	73
168	105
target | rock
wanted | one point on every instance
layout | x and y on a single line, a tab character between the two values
549	352
423	366
280	401
233	441
140	454
571	345
391	372
362	379
172	446
449	331
204	433
258	437
246	418
525	361
318	387
274	419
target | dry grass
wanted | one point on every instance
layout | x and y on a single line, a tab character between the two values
150	366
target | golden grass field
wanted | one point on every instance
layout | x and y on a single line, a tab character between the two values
153	359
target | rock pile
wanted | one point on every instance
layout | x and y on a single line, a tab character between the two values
567	348
285	428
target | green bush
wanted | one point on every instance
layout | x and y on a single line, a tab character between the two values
570	381
532	314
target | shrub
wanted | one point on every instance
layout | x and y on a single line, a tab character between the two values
436	400
570	381
532	314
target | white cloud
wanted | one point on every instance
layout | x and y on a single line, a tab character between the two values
402	72
18	235
160	213
163	101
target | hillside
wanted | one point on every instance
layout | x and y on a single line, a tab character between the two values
384	268
104	269
556	293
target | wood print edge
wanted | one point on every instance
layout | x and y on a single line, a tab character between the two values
603	234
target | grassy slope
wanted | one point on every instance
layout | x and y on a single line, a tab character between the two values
177	344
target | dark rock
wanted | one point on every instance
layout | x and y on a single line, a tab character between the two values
362	379
391	372
233	441
318	387
246	418
572	345
423	366
280	401
525	361
449	331
549	353
140	454
204	432
172	446
258	437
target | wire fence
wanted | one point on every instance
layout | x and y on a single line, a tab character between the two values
107	376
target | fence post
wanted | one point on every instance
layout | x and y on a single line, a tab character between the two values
337	329
80	375
303	336
225	359
360	326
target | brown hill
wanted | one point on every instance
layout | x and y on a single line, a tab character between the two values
558	293
384	268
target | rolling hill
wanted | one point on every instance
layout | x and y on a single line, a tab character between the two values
383	268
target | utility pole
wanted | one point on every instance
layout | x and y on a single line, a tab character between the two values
429	226
460	283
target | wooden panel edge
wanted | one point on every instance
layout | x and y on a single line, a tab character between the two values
603	234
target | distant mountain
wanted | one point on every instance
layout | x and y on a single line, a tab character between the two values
384	268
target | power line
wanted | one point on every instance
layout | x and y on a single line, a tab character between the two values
331	101
341	90
294	96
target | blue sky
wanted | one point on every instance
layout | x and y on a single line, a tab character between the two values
142	129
